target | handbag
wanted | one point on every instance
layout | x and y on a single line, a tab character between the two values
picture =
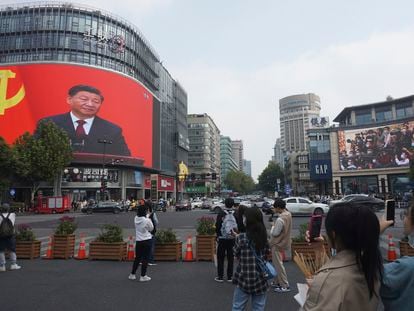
265	267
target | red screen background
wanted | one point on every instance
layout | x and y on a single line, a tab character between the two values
127	103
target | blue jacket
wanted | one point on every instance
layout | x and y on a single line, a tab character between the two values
397	288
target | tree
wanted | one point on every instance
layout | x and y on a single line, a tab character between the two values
239	182
6	167
42	156
268	178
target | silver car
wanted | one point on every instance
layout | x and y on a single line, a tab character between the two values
303	206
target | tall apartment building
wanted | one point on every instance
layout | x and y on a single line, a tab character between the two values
247	167
237	147
296	111
226	157
204	155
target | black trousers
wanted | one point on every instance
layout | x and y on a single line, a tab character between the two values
142	252
225	247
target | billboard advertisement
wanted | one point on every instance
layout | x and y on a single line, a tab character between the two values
320	169
102	112
377	147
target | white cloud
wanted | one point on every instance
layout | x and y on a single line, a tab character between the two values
245	105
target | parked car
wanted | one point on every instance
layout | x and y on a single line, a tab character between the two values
183	205
103	206
206	204
298	205
196	204
375	203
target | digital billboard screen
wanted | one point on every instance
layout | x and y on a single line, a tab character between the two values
100	110
377	147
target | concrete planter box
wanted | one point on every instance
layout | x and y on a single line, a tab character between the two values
406	249
107	251
168	251
205	247
63	246
28	249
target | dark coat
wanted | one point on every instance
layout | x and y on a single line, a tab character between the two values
100	129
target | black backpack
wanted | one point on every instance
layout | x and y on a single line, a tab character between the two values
6	227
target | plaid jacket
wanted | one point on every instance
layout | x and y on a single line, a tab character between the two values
247	276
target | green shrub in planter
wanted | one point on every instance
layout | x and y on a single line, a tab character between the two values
25	233
67	226
302	233
110	233
206	226
164	236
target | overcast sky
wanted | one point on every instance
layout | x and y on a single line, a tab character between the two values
237	58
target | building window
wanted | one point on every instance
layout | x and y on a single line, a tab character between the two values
383	114
363	116
404	110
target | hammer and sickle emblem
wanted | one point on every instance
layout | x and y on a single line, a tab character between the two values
6	103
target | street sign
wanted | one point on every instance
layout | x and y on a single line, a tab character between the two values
288	189
12	192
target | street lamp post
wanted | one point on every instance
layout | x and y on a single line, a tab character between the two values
103	183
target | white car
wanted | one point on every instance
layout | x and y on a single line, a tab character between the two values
348	198
216	206
297	205
196	204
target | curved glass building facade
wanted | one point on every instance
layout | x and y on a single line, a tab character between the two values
65	32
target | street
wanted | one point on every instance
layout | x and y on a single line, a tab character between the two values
103	285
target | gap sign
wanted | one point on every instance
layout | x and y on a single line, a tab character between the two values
320	169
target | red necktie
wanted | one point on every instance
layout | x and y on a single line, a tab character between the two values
80	130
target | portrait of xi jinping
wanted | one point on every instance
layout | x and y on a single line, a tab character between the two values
83	125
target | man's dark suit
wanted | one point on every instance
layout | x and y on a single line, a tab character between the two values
100	129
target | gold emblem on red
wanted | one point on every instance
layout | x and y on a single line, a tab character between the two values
6	103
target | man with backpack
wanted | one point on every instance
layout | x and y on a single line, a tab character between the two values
226	230
7	238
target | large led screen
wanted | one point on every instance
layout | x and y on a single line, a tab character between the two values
101	111
377	147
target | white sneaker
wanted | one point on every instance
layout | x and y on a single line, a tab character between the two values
152	264
15	266
144	278
2	268
132	277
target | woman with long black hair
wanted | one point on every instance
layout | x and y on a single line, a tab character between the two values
249	279
351	279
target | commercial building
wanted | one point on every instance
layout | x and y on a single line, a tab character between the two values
296	113
247	167
372	148
204	156
278	154
237	150
226	158
86	45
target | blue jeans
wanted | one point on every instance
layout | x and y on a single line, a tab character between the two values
241	298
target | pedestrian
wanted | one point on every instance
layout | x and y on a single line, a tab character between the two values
7	238
154	219
226	230
349	280
397	288
238	214
249	280
143	228
280	241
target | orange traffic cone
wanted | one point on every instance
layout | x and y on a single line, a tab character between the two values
189	252
392	255
131	252
82	250
49	252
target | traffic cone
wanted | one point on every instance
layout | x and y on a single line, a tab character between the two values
49	252
81	250
189	252
392	255
131	252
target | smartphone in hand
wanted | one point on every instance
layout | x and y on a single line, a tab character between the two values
390	210
315	226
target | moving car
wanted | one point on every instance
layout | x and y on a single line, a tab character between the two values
196	204
375	203
103	206
183	205
303	206
216	206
